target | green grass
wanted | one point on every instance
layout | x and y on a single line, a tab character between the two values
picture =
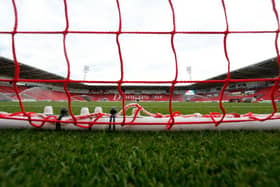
45	158
183	107
80	158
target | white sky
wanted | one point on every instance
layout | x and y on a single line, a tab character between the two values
146	57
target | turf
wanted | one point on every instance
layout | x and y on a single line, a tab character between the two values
45	158
162	107
78	158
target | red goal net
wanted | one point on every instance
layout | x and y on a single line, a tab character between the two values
125	33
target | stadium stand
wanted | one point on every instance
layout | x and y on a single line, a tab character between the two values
95	97
264	94
77	97
205	92
6	89
4	97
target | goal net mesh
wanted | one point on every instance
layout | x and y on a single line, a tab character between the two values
127	32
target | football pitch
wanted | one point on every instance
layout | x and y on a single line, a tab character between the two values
154	107
80	158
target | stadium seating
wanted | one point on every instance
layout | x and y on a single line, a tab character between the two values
110	97
160	97
59	96
179	98
40	94
6	89
94	97
78	97
264	94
